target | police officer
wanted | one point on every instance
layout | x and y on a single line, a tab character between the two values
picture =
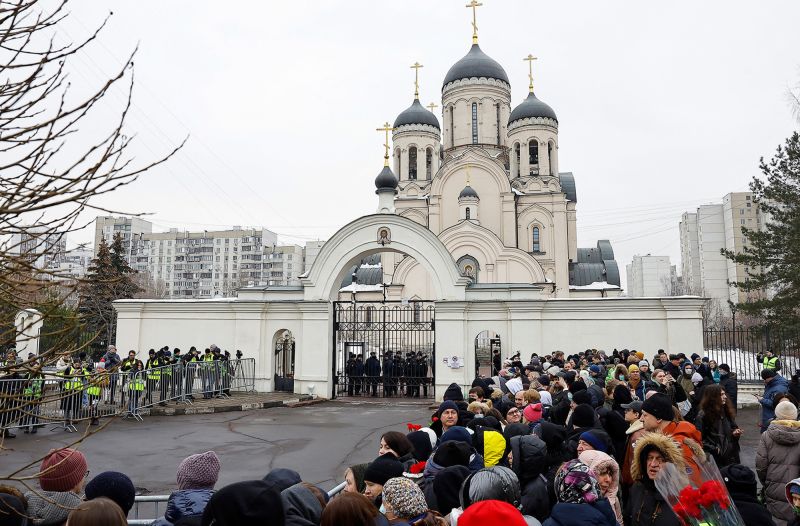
153	375
769	361
422	372
387	374
372	368
190	363
94	391
358	373
136	386
349	371
34	385
206	373
72	393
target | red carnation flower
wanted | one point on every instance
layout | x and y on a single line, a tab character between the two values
417	468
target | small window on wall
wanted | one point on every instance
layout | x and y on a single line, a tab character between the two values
537	247
468	214
428	163
533	153
517	156
474	123
412	163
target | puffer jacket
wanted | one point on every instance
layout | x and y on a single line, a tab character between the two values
779	384
598	461
490	444
595	514
184	503
529	464
778	461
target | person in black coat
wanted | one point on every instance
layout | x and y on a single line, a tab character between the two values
528	461
372	368
741	484
727	380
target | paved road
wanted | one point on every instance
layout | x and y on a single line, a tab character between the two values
319	441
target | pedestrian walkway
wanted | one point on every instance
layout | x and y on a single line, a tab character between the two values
236	402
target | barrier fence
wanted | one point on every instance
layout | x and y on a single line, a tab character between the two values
36	399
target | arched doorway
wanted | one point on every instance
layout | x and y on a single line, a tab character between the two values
488	353
284	361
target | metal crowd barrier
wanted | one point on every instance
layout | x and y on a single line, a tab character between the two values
31	403
159	503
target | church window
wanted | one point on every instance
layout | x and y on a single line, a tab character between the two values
537	247
467	213
533	155
452	127
551	158
397	162
428	163
412	163
517	158
497	109
474	123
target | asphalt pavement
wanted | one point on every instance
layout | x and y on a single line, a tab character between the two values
319	441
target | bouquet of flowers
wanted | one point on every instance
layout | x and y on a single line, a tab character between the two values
699	501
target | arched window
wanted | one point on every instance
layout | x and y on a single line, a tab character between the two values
467	216
551	158
474	123
537	246
397	162
412	163
417	312
533	156
497	106
428	163
452	134
518	157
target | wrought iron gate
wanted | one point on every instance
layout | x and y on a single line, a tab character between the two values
284	363
383	349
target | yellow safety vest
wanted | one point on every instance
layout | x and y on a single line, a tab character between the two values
136	384
34	388
770	363
154	374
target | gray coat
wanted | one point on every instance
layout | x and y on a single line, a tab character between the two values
778	462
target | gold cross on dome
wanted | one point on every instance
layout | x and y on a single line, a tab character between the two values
386	128
432	106
416	67
529	59
474	4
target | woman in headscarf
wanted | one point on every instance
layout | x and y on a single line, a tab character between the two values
580	502
606	470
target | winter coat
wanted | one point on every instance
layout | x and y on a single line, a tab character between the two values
718	440
615	425
795	482
779	384
184	503
729	384
490	444
752	511
51	508
372	367
645	505
634	432
560	409
598	461
777	462
691	443
595	514
300	506
529	464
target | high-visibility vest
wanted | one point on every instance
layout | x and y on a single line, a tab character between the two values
34	387
136	384
75	382
770	363
154	374
208	359
94	387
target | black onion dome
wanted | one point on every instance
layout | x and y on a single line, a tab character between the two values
532	108
468	191
416	114
478	64
386	180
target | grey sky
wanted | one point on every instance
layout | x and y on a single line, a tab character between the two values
662	106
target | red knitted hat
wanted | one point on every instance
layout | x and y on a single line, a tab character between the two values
62	469
491	512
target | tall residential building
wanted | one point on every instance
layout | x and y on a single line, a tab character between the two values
38	245
650	276
130	227
703	236
311	252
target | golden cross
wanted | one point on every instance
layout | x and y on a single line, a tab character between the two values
474	4
529	59
386	128
416	67
432	106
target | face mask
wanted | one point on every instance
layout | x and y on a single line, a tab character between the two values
569	396
382	509
621	378
478	416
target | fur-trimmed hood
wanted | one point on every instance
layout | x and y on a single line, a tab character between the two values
669	449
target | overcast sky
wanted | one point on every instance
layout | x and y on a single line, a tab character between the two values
662	106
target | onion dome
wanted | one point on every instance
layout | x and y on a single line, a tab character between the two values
468	192
386	180
416	114
476	64
532	108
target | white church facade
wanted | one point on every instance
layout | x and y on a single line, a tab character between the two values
476	224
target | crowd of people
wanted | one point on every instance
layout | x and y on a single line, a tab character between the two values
559	441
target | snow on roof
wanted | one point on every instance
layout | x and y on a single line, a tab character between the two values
597	285
358	287
370	265
517	192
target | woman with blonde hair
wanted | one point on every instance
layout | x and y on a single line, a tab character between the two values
478	408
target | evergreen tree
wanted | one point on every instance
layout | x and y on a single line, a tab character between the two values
772	254
108	278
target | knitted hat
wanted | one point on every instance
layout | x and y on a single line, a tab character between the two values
422	444
553	370
115	486
62	469
583	416
582	397
596	439
405	498
576	484
594	369
491	512
452	453
644	363
382	469
248	503
785	410
725	367
453	392
659	406
532	412
739	479
695	356
198	471
543	380
457	433
639	354
446	485
768	373
283	478
447	404
633	367
12	511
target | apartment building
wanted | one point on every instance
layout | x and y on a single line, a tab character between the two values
650	276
